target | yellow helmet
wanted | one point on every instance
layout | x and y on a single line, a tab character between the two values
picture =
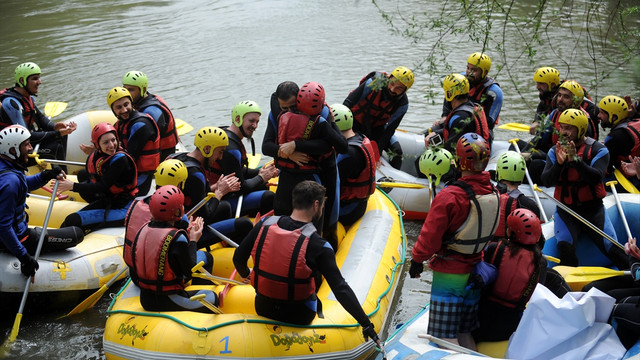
577	118
576	90
116	94
547	75
454	85
171	172
614	105
210	136
404	75
481	60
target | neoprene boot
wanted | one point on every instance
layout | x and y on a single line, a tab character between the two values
619	258
568	255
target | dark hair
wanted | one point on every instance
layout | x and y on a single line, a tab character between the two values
306	193
286	90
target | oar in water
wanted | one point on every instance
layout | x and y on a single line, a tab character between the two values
578	277
579	217
6	346
626	184
515	127
182	127
89	302
54	108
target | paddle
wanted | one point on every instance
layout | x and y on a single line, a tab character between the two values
182	127
577	216
239	206
526	173
450	346
200	272
612	184
207	304
254	160
402	185
89	302
515	127
54	108
578	277
6	347
626	184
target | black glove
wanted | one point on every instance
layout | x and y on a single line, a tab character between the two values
28	265
48	175
370	333
416	269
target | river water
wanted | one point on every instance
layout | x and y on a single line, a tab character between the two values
203	57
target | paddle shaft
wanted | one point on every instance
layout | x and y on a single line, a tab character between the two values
449	345
526	173
16	326
579	217
239	206
200	204
612	184
223	237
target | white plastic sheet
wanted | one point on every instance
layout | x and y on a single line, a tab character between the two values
574	327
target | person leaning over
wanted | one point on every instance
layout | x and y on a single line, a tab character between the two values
288	296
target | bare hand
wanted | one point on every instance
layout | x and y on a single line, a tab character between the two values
268	172
87	149
427	139
226	184
287	149
534	127
65	128
195	228
631	248
299	158
65	185
631	168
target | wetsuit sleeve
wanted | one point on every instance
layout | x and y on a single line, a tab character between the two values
325	260
9	190
446	108
121	171
243	252
618	142
158	116
45	132
183	256
527	203
13	110
458	126
391	126
35	182
355	95
269	146
231	163
593	172
141	132
551	170
493	102
195	188
350	165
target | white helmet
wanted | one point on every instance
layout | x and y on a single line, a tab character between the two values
11	137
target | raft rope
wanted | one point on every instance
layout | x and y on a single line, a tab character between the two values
273	322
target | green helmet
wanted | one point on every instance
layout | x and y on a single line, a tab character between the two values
137	78
614	105
342	116
436	162
511	167
24	70
241	109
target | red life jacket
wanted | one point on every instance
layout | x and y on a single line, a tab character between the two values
280	269
294	127
213	173
137	216
478	115
508	203
633	129
517	276
476	94
571	190
363	185
150	259
168	133
29	109
149	159
373	109
99	164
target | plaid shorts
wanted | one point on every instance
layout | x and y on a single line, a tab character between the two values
452	310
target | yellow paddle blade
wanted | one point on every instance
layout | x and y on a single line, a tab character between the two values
254	160
183	127
626	184
514	127
578	277
402	185
54	108
6	346
89	302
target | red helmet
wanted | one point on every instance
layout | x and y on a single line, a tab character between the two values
99	130
473	152
310	99
167	204
525	225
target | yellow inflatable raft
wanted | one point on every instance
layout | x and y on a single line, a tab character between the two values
370	256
